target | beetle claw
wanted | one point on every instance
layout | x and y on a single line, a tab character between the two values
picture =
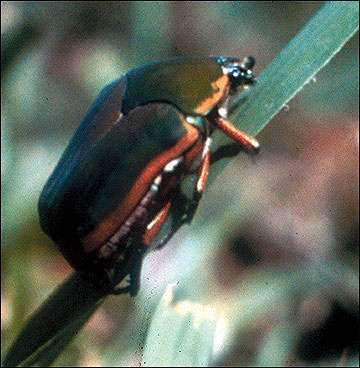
122	290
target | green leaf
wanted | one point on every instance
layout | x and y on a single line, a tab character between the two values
55	323
297	64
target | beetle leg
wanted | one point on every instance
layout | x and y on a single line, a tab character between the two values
134	260
200	182
204	167
154	226
181	204
178	208
250	143
137	252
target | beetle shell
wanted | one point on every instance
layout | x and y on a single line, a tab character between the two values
87	201
123	164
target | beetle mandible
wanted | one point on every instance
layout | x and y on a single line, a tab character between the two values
117	180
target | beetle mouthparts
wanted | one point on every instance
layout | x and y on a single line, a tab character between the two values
240	73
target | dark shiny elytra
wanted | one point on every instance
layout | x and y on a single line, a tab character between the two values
80	196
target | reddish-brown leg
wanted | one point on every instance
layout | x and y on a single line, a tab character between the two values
200	182
134	262
203	172
155	225
247	141
138	249
189	208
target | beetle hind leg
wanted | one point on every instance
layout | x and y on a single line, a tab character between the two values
137	253
134	260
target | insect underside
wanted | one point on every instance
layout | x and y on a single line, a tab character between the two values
138	218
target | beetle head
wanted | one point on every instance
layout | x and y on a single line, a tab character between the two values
239	72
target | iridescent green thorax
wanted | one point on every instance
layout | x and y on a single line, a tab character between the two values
183	82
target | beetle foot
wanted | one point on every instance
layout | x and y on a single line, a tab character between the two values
132	288
122	290
128	287
192	207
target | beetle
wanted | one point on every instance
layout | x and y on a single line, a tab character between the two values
119	177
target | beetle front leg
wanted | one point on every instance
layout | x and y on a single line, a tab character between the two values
248	142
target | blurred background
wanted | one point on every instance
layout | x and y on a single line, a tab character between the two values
278	234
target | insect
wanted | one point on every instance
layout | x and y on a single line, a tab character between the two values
118	179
